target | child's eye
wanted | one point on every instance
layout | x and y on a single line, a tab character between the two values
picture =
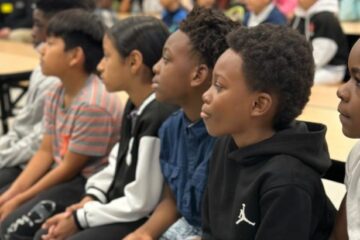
218	86
357	82
165	58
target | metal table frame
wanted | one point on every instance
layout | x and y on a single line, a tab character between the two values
6	105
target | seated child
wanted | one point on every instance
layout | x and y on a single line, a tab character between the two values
181	77
120	197
265	171
173	14
348	223
22	141
263	11
80	127
317	21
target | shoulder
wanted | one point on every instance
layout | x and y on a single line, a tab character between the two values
153	116
325	18
95	96
54	91
354	156
175	119
158	111
277	17
285	170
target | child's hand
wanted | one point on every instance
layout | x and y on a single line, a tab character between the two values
6	196
8	208
81	204
62	227
138	236
53	221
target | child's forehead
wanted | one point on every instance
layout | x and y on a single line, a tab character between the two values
354	57
178	42
229	60
55	38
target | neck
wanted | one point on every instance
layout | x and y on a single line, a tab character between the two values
139	93
174	6
252	135
73	82
192	108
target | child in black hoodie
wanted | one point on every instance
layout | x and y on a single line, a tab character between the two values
265	176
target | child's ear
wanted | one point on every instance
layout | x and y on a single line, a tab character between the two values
262	104
135	60
200	75
76	56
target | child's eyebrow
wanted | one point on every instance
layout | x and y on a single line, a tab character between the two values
355	72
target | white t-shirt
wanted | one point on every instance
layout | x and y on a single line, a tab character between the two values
352	182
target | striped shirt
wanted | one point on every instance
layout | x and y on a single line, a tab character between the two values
89	126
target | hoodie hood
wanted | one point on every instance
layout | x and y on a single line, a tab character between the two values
319	6
302	140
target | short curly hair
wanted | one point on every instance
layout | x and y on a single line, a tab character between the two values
207	30
278	60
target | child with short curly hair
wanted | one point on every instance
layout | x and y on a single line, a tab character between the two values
265	172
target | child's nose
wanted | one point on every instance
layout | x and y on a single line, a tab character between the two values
99	67
42	49
156	67
206	97
343	92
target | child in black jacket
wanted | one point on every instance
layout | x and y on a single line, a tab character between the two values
265	176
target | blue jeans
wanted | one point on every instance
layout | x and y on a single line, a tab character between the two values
181	230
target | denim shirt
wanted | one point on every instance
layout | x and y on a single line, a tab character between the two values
184	156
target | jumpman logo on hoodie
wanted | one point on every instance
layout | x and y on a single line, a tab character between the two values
243	218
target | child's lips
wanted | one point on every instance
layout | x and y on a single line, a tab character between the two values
343	116
343	113
155	83
204	114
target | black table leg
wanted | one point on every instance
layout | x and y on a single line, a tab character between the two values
5	106
5	100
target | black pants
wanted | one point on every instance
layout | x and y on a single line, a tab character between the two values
62	195
8	175
115	231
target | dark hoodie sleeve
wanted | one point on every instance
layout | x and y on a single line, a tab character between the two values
285	214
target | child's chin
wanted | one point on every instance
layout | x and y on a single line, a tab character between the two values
213	132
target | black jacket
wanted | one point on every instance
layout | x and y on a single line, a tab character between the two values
130	187
270	190
325	25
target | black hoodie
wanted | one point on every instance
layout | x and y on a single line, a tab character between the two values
271	189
